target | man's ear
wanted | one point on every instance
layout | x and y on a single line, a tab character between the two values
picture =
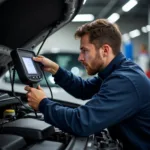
106	50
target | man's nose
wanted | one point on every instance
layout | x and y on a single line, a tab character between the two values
80	58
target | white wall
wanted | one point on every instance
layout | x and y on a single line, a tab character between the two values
64	39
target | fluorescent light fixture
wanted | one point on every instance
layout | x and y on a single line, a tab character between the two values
50	78
126	37
134	33
144	29
113	18
75	71
83	18
148	28
84	2
129	5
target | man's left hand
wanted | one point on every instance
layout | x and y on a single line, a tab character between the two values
35	96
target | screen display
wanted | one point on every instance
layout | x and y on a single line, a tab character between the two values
29	65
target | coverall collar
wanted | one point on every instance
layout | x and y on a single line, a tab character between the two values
115	63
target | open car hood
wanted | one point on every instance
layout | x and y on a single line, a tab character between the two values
25	23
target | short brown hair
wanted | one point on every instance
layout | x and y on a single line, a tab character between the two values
101	32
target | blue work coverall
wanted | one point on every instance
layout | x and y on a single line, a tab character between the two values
119	100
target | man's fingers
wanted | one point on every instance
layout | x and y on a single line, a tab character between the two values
38	59
30	104
29	100
47	69
28	88
39	87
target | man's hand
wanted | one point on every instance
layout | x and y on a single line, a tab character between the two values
34	96
49	65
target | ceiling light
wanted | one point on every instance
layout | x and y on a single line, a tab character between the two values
113	18
148	28
134	33
129	5
144	29
83	18
125	37
84	2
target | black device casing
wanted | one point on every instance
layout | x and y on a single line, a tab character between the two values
24	76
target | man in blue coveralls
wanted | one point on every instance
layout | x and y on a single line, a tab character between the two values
119	95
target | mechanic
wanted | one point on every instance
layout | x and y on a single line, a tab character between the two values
119	94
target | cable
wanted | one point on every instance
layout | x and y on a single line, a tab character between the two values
1	125
44	40
42	70
12	86
48	85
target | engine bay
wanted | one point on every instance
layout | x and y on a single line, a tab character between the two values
21	129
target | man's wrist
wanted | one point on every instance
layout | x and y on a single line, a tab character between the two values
54	70
45	102
42	104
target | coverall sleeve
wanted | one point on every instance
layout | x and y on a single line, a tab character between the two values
117	100
76	86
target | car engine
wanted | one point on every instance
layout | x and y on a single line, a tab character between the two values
21	129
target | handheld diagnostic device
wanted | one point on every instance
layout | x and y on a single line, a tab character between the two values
29	71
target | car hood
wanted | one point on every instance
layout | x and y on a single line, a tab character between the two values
26	23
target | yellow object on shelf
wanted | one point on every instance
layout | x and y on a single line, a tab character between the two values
9	113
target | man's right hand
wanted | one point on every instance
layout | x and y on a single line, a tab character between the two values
49	65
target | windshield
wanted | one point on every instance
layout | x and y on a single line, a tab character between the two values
68	61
